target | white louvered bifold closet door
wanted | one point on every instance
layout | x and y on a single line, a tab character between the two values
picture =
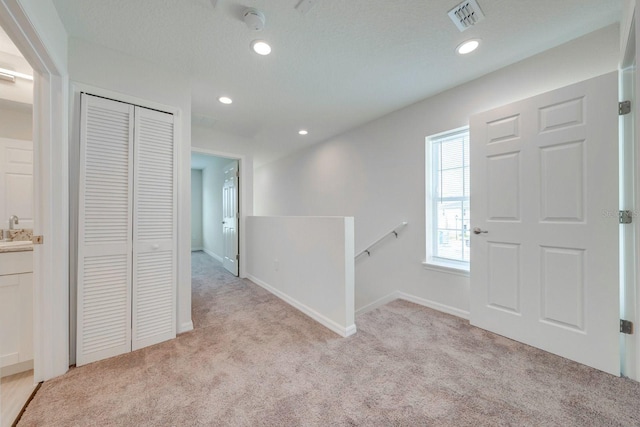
154	229
104	234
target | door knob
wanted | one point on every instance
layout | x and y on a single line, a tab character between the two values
478	230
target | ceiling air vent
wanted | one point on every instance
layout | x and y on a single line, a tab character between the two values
466	14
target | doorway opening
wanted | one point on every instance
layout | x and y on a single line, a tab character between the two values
28	31
215	208
16	225
215	229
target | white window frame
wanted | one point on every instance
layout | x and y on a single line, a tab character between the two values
432	262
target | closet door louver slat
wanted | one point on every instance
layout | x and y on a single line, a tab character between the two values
104	232
154	229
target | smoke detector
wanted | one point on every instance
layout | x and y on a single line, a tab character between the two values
466	14
253	18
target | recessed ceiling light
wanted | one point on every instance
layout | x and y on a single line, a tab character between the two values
303	132
225	100
468	46
261	47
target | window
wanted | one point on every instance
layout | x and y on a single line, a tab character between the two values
448	210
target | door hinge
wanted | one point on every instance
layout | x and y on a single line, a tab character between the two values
624	107
237	257
625	217
37	240
626	327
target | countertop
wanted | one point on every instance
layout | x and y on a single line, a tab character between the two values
16	246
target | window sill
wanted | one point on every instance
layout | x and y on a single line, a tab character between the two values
445	267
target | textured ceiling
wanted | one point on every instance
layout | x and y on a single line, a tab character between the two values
342	64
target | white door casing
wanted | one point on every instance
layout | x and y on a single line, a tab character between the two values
544	174
230	217
629	191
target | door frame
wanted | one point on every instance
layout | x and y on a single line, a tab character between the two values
51	194
630	288
245	190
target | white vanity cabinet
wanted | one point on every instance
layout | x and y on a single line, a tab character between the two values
16	311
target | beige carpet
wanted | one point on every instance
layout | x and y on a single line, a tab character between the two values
254	361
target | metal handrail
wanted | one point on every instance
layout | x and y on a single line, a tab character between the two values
394	232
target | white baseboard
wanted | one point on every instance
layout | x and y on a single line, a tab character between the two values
416	300
350	330
212	255
324	321
196	249
16	368
434	305
186	327
378	303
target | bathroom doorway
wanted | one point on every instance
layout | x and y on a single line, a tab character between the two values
16	222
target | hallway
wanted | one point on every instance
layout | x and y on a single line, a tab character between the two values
216	293
254	360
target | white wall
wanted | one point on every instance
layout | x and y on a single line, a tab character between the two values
44	18
376	173
212	182
134	80
197	241
308	262
211	142
221	142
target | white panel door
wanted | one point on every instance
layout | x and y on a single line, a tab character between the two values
544	175
230	218
16	182
104	229
154	229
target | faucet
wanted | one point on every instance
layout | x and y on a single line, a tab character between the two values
13	220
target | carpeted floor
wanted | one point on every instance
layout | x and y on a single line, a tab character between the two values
252	360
